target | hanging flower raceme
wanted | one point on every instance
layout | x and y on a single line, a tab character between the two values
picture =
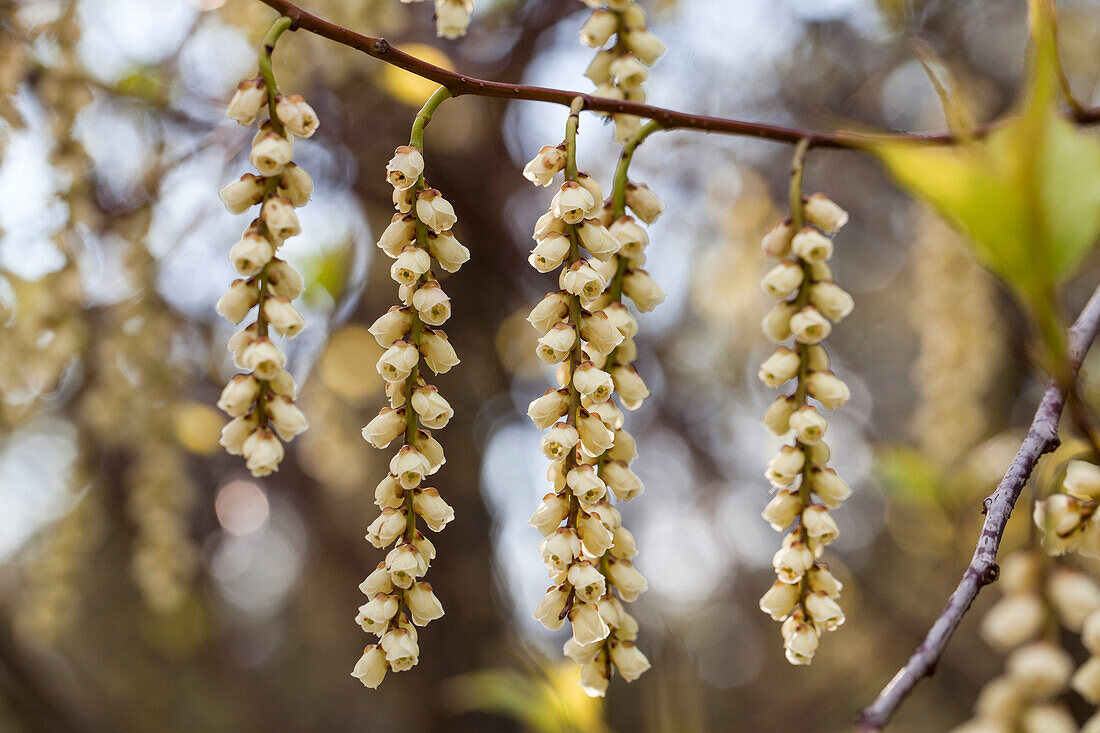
261	400
420	233
627	48
586	549
804	595
1027	623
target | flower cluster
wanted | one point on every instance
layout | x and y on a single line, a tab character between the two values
627	50
587	332
397	602
452	17
804	596
1024	623
1068	520
261	401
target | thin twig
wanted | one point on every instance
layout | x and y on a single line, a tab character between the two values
1042	437
460	84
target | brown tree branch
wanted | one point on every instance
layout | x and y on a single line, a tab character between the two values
459	84
1042	437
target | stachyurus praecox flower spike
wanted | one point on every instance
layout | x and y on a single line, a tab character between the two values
804	595
261	400
627	49
587	333
420	233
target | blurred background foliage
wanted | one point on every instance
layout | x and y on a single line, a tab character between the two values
148	583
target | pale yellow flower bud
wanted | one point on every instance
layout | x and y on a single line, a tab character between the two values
595	536
643	290
283	280
238	300
371	667
435	512
829	487
1013	620
392	326
1042	667
279	216
791	562
827	389
404	564
599	68
643	44
626	579
401	649
777	322
448	251
386	426
549	610
782	280
434	411
780	600
588	183
782	509
571	203
409	466
550	310
434	210
587	581
557	443
785	467
452	18
812	246
779	367
821	579
629	660
264	359
549	253
777	418
295	184
800	641
298	117
595	676
824	214
1083	480
1075	597
586	485
824	611
405	167
598	28
283	317
249	255
809	425
831	299
242	194
263	452
270	153
597	239
410	264
623	482
387	527
623	545
594	384
437	351
249	98
236	431
595	436
397	362
542	168
809	327
556	344
643	202
631	387
239	395
550	513
286	418
777	242
432	304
